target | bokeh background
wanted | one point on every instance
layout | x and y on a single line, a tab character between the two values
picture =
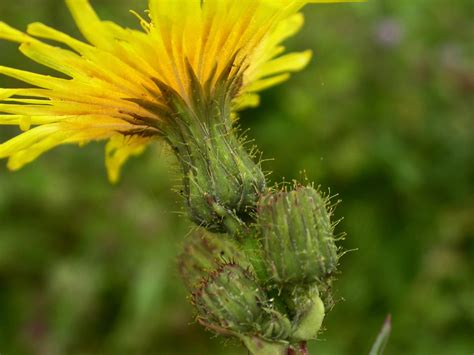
383	116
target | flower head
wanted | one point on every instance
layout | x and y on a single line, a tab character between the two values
118	82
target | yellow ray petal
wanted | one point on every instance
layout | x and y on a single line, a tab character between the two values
114	84
27	146
119	149
7	93
287	63
266	83
42	31
89	23
246	100
11	34
61	60
24	121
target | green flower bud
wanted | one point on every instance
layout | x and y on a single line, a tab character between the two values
231	301
205	252
297	236
220	177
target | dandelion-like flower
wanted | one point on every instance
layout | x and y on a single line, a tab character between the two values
183	78
115	82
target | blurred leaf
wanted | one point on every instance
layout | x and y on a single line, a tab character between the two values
382	339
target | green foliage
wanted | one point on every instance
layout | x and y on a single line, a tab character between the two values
384	116
382	338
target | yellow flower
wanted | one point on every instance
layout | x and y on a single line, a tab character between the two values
116	81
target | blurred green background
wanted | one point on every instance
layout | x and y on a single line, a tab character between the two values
383	116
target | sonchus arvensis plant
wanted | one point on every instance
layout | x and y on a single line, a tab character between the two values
263	259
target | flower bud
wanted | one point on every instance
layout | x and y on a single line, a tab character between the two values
231	301
205	252
297	236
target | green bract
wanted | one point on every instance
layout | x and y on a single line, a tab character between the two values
220	179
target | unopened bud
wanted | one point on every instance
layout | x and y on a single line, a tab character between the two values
231	301
297	236
205	252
